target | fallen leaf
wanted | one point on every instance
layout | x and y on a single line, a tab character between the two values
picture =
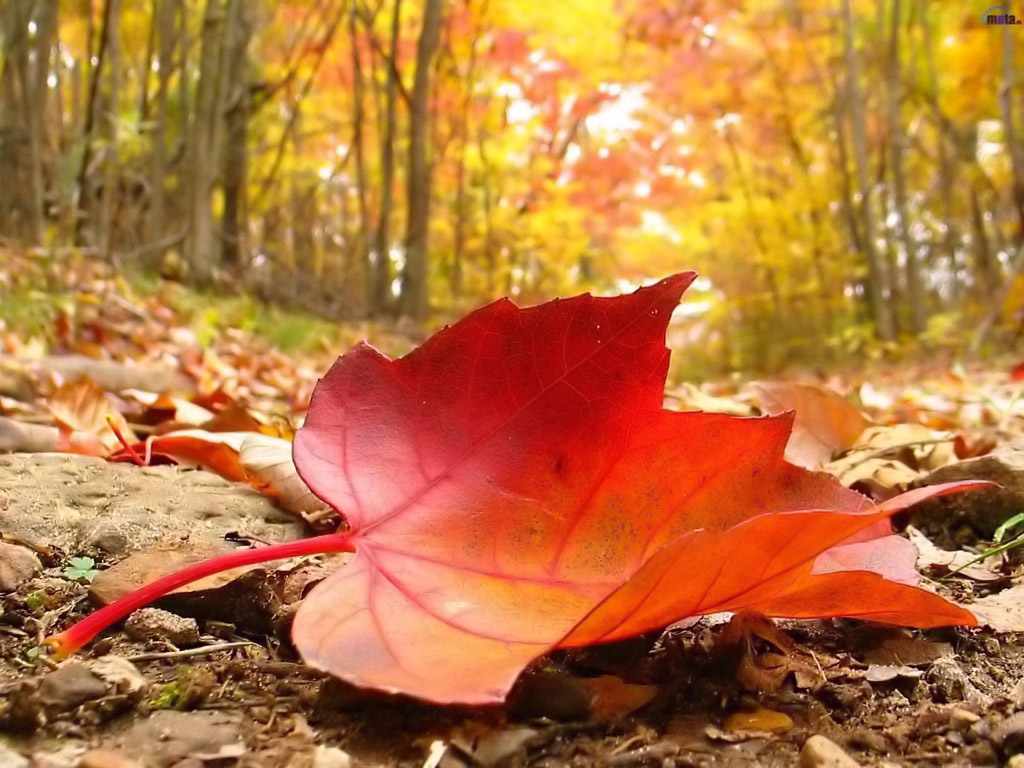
81	409
903	649
151	563
513	485
887	459
268	463
176	408
826	423
964	563
214	451
612	698
1002	611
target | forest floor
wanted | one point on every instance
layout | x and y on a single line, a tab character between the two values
883	696
210	679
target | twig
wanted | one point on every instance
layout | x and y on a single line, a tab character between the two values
206	649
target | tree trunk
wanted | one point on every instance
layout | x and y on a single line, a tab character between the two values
200	247
109	193
946	163
364	253
88	213
235	218
1006	102
381	289
1007	92
461	195
23	95
877	280
417	233
164	22
915	289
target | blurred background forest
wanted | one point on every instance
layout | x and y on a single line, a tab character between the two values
848	176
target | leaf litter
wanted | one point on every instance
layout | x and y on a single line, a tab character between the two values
678	658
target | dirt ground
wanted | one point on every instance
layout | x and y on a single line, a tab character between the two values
229	690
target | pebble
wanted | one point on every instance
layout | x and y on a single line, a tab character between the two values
69	686
962	719
821	752
17	565
11	759
109	539
869	740
158	624
950	683
331	757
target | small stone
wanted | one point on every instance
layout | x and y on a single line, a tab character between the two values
869	741
158	624
107	538
962	719
821	752
69	686
950	683
11	759
17	565
992	646
1009	735
107	758
331	757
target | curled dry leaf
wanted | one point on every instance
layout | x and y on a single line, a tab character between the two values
269	464
81	408
1002	611
514	485
886	460
963	562
171	408
825	424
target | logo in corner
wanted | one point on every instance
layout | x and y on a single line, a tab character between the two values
997	16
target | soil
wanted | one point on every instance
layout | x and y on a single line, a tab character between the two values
685	697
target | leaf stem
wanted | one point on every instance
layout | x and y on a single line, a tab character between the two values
70	640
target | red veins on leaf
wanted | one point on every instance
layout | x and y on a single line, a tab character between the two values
514	485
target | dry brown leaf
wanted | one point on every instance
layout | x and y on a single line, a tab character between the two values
268	461
159	560
611	698
929	555
886	460
185	411
825	423
900	648
1003	611
82	407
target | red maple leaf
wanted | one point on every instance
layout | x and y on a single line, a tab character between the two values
514	485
